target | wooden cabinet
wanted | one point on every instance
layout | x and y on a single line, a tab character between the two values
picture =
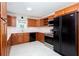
51	17
18	38
45	22
59	13
14	39
67	10
3	10
11	20
38	22
26	37
32	23
40	37
64	11
71	8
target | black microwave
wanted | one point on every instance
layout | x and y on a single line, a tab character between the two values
50	22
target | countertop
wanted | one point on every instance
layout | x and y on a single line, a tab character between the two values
49	35
11	30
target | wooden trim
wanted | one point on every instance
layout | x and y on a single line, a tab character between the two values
77	42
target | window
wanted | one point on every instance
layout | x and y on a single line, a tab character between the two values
21	23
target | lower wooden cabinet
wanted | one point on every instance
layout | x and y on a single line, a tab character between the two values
14	39
26	37
18	38
40	37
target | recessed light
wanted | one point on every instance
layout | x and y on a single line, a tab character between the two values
29	9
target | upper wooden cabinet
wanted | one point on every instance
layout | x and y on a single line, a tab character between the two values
67	10
32	23
40	23
45	22
11	20
51	17
37	22
64	11
71	8
59	13
3	10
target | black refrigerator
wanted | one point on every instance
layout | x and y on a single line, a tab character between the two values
65	28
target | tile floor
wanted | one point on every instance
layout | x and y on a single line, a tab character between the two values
35	48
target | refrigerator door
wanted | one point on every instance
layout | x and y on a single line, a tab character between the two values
56	35
68	46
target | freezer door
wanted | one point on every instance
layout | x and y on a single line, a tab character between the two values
68	46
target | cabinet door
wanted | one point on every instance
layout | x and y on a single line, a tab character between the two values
41	22
11	20
68	46
19	37
3	40
3	10
46	22
37	23
40	37
14	39
31	23
25	37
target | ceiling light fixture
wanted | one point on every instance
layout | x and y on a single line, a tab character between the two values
29	9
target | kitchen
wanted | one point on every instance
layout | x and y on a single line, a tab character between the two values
26	32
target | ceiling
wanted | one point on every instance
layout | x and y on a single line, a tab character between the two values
39	9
